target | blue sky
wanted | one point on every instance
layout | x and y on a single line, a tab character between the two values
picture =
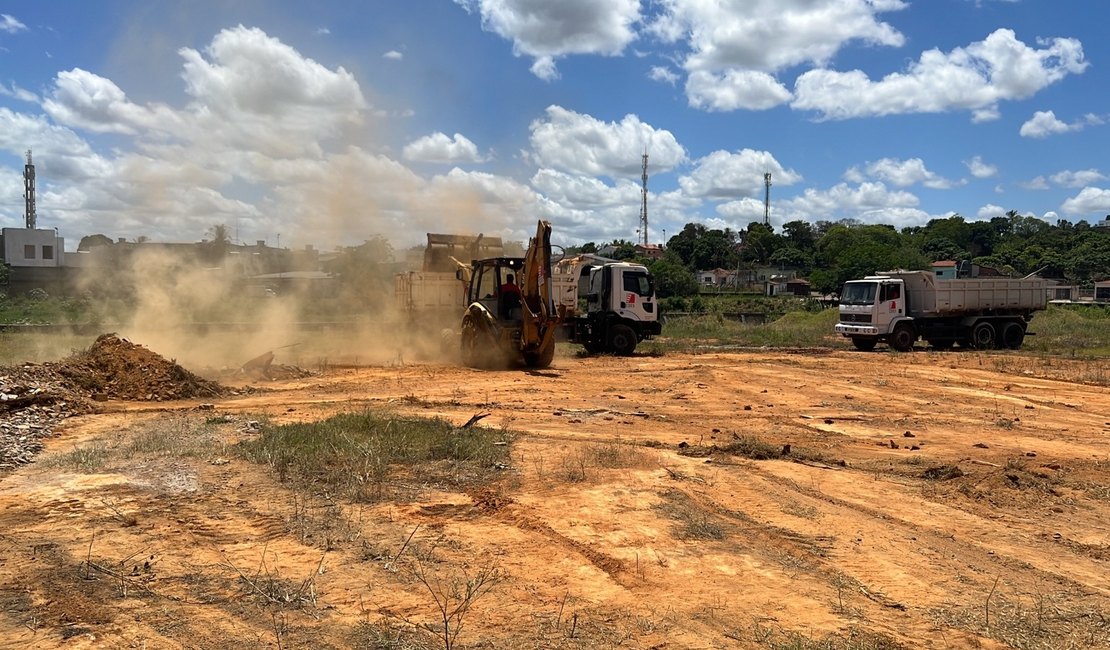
330	122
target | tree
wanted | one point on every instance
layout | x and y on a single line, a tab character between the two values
89	242
759	242
800	234
672	278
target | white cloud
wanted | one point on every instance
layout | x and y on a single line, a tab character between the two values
393	55
664	74
980	169
725	175
1090	200
973	78
900	173
1045	123
771	35
990	211
88	101
11	24
734	89
547	31
439	148
744	211
1080	178
254	92
1038	183
871	202
15	92
322	31
583	145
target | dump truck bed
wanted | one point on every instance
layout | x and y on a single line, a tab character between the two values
928	296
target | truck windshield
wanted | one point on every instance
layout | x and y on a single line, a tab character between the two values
859	293
638	282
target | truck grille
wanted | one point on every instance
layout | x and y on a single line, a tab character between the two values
855	318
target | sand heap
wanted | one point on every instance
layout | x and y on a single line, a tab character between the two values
115	368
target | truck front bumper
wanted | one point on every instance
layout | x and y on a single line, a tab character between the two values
856	330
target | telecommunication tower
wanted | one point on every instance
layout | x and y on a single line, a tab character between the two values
29	192
767	199
643	205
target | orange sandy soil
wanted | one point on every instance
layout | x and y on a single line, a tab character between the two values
601	532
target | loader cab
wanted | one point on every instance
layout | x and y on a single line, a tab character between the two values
489	286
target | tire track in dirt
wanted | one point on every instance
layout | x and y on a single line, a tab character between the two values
948	546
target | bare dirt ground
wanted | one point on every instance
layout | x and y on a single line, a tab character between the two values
927	500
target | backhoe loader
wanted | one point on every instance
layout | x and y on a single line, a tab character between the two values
511	317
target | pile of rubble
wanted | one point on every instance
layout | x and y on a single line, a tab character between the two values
115	368
34	398
32	401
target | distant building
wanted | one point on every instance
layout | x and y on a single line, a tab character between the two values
24	247
650	251
35	258
945	269
1102	291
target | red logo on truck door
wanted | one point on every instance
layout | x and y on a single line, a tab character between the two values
893	305
631	299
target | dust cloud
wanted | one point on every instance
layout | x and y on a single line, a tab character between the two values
219	317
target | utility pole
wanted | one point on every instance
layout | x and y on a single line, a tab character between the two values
767	199
643	205
29	192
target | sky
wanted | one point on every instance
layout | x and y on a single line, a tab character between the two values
332	122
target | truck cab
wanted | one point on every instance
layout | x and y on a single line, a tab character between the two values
610	306
870	309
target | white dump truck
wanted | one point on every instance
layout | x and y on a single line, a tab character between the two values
900	307
608	306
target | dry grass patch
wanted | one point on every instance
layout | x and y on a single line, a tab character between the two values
371	456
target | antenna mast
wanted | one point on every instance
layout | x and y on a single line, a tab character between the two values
767	199
643	205
29	192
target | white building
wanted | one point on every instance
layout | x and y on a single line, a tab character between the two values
23	247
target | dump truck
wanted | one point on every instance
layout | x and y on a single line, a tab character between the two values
608	306
900	307
430	299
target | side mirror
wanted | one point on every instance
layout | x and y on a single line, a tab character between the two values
458	274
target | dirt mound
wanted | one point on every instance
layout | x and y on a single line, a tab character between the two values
115	368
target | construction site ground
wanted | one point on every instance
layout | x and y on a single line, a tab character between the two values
748	499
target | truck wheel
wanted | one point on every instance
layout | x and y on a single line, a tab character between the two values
593	347
622	340
540	358
983	336
1012	335
864	344
903	337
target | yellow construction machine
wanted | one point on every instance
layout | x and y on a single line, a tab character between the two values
511	316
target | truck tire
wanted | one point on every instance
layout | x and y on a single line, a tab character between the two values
903	337
984	336
1013	334
622	340
864	344
593	347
